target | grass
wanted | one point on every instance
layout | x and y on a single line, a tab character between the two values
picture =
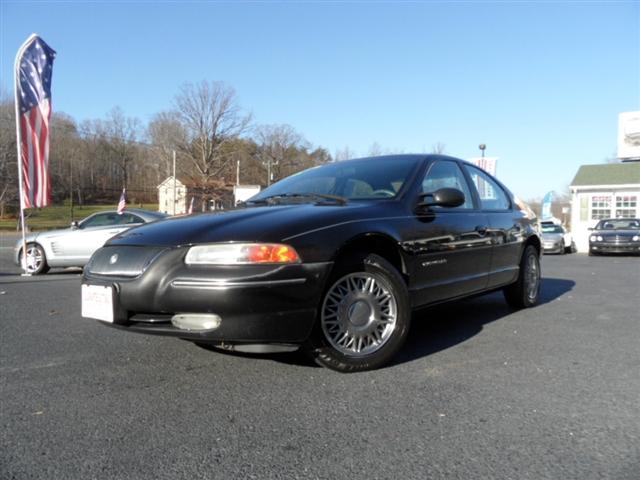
60	216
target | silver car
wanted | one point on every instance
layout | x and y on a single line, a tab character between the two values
72	247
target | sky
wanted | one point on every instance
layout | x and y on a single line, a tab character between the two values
540	83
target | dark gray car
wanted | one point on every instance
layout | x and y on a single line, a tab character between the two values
615	235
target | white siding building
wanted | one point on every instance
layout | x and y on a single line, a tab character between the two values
166	201
609	190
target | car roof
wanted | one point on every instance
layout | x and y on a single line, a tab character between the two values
138	211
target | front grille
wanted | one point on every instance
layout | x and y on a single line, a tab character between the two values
616	238
122	261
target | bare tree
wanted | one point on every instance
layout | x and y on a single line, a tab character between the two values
8	154
344	154
439	148
281	150
375	149
119	136
210	116
167	135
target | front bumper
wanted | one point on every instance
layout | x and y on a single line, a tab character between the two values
257	303
552	248
610	247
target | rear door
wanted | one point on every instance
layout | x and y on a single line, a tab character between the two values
505	224
450	248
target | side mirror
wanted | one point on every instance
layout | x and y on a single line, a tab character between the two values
443	197
74	225
591	229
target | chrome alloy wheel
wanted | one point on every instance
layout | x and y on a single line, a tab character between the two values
359	314
532	277
35	259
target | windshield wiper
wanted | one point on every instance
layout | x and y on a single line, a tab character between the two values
321	197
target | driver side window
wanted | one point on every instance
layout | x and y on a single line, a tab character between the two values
447	174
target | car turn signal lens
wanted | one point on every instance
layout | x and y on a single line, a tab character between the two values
272	253
241	254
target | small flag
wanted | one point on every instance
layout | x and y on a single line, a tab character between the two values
34	67
190	207
122	204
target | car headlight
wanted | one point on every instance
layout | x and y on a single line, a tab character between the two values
636	238
241	254
596	238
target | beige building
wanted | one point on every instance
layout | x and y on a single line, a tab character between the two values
170	203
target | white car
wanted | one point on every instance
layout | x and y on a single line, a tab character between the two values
72	247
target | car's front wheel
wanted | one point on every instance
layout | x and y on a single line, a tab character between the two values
36	259
364	317
525	291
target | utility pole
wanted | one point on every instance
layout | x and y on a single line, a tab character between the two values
268	164
174	183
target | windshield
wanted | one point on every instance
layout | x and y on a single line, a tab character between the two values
353	179
552	229
618	224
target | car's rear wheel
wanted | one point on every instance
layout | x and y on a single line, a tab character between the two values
525	291
36	259
364	317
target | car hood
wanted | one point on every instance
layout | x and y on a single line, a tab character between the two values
264	224
49	234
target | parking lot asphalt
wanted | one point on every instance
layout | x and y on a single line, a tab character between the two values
479	391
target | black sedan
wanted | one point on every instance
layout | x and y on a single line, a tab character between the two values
333	259
615	235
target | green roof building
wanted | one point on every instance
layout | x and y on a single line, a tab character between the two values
610	190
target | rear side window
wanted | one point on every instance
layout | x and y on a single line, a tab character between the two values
492	196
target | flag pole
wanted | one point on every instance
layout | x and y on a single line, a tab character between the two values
16	74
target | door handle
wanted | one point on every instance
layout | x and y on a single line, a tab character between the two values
481	229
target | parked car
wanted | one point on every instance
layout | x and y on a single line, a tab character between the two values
556	239
333	259
72	247
615	235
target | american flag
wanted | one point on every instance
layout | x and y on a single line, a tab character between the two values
34	66
122	204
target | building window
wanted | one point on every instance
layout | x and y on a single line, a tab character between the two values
626	206
600	207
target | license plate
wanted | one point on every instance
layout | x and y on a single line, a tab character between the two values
97	302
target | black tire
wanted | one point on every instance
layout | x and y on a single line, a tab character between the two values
363	316
563	249
524	293
592	253
573	248
36	259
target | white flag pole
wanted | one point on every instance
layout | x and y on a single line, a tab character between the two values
19	148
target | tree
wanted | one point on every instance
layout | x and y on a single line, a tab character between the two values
210	117
167	135
119	135
344	154
282	150
8	154
439	148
